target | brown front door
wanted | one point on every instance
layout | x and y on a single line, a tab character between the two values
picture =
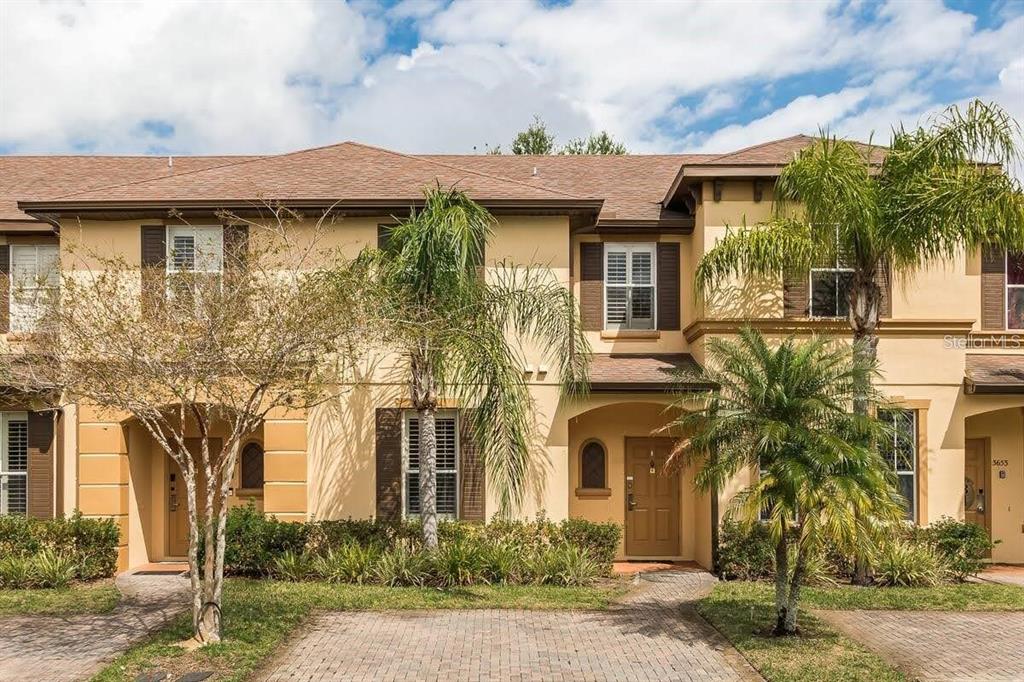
177	500
652	499
977	499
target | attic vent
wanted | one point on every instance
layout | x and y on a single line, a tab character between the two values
170	162
535	172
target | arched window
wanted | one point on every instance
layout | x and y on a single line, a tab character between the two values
252	466
592	466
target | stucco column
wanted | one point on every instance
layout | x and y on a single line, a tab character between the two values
103	472
284	465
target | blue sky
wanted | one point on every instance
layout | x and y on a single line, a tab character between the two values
454	76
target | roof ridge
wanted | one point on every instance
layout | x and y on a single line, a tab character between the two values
129	156
464	170
759	145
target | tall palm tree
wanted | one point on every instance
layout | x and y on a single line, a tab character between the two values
785	411
461	332
934	193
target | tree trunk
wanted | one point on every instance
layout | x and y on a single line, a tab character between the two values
789	625
781	576
428	476
865	302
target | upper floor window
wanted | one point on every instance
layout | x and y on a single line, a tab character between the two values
195	248
447	463
1015	290
13	462
830	289
35	276
899	450
629	280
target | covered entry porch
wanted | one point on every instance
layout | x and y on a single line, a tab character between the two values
125	474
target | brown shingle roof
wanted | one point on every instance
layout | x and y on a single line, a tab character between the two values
994	373
625	372
347	171
26	178
632	186
777	152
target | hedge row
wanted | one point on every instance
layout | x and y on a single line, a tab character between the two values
87	547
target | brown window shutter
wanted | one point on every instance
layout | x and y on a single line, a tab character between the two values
796	294
236	245
668	285
993	288
592	285
389	463
154	261
471	474
883	278
40	465
5	288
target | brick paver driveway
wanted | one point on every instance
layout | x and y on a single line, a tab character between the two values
655	635
942	646
73	648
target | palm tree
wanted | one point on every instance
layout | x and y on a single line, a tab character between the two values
935	192
461	332
785	411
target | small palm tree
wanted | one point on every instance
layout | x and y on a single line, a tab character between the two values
932	194
461	332
785	411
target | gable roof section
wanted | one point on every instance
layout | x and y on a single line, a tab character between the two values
28	178
632	186
346	173
780	152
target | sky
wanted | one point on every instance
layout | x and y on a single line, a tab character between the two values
418	76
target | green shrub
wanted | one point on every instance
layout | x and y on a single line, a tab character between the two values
458	562
818	569
400	566
350	563
16	572
600	540
745	551
961	545
89	546
292	566
253	541
574	566
905	563
50	569
502	563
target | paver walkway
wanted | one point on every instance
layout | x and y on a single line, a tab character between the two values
73	648
655	635
946	646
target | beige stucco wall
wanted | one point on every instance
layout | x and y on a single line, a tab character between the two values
1004	430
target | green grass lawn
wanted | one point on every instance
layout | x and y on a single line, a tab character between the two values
259	614
99	597
744	613
959	597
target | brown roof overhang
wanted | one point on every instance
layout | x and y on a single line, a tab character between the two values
994	374
646	373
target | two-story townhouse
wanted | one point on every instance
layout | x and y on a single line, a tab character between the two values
625	234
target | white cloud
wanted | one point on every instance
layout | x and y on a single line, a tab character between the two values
263	77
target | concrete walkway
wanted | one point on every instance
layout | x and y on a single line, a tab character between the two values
73	648
934	646
655	635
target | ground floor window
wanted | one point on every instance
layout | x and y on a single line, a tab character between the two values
899	450
13	462
447	464
252	467
592	466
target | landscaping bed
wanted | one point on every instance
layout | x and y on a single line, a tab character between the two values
260	614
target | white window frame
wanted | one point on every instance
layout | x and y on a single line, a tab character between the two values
194	231
810	291
407	417
893	460
6	419
1006	293
24	315
629	248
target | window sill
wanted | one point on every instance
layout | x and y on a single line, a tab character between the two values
248	492
594	492
630	334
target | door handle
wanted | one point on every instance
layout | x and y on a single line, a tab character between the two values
630	502
174	503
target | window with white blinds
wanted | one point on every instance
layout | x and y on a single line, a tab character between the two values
35	277
13	462
447	465
629	279
195	248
